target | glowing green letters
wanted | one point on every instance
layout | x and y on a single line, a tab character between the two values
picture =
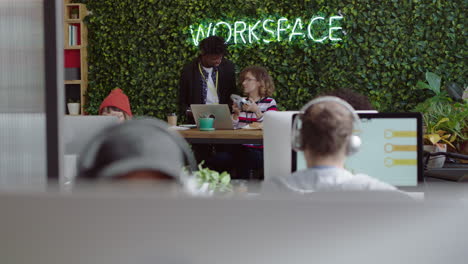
268	30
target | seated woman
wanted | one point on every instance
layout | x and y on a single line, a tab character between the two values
258	87
326	137
116	104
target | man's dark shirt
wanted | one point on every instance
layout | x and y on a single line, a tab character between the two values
190	89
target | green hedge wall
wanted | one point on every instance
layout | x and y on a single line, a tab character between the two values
141	46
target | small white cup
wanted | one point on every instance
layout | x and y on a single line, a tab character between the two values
172	119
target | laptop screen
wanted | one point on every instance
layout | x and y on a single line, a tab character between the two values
220	113
391	149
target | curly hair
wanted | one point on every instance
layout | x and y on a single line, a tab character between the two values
267	87
356	100
213	45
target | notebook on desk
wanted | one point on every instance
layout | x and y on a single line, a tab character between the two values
220	113
391	149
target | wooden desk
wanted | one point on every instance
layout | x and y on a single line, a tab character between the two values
238	136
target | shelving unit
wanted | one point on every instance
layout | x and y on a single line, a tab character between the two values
75	52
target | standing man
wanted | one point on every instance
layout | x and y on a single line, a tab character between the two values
210	78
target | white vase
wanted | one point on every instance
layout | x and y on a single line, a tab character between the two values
436	161
73	108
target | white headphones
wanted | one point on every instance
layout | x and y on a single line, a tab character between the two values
354	142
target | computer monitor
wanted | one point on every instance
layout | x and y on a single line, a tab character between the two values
79	130
277	143
391	149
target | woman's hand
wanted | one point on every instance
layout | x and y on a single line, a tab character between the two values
251	107
236	111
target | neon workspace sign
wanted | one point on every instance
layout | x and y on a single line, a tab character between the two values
317	29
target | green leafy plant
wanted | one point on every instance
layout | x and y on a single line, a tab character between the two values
74	13
142	45
216	181
444	119
205	115
433	84
435	136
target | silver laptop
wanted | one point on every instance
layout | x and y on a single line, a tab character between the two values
79	130
220	112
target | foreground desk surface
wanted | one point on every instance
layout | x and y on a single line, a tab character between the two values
149	226
238	136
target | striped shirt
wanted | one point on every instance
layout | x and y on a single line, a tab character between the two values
245	118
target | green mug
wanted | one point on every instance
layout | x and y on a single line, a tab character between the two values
206	124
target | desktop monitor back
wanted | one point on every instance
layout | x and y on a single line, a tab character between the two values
391	149
277	143
79	130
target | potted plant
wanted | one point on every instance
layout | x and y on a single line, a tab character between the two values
74	13
445	118
211	181
436	141
73	107
205	122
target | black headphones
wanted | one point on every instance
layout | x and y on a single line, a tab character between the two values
354	142
86	162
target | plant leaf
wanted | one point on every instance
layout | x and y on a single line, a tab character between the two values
445	136
443	120
433	138
448	143
455	91
423	86
215	175
453	137
225	179
434	82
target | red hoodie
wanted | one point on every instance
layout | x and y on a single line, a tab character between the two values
118	99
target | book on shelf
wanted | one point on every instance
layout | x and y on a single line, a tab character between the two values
72	35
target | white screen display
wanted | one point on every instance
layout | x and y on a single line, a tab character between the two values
388	152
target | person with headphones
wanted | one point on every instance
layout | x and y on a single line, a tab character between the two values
323	130
142	149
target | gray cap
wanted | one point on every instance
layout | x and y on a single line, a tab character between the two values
134	145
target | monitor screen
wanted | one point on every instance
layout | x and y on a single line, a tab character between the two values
391	149
80	129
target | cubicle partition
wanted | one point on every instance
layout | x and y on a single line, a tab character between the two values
23	92
154	227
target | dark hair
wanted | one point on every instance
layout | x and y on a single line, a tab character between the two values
213	45
326	127
356	100
261	74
